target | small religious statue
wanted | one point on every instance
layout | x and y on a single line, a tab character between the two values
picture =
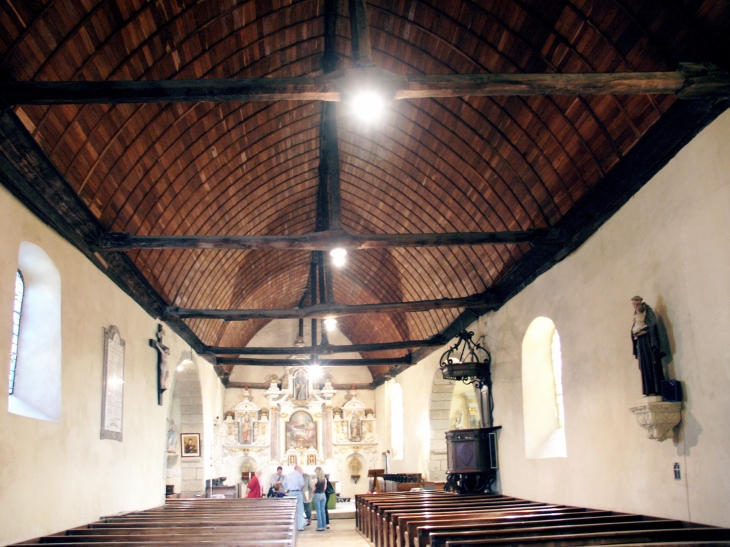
355	428
171	437
163	370
645	339
301	390
355	467
246	431
459	422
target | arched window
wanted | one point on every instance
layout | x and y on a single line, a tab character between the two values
35	390
17	312
542	391
396	422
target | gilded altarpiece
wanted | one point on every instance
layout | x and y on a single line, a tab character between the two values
298	426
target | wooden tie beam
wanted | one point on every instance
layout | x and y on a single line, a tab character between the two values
326	240
691	80
323	311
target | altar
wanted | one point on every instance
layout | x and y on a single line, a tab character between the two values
296	422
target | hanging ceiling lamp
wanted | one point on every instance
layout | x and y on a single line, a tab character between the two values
467	361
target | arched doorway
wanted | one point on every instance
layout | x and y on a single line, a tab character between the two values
185	416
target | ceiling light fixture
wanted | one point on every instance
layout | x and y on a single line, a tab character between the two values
315	372
469	362
368	106
330	323
338	256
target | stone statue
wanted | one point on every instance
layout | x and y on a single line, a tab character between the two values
162	353
355	466
355	428
459	422
171	436
645	339
301	390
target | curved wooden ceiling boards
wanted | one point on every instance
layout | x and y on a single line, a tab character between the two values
431	165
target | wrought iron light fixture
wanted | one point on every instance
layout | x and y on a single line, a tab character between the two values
467	361
470	363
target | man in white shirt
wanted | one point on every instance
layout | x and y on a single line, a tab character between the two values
293	484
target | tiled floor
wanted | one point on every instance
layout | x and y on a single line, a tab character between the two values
342	533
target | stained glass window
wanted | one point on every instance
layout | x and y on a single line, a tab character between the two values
17	311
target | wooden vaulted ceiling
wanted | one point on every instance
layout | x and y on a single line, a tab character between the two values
431	165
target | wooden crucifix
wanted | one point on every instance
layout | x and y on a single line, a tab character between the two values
163	370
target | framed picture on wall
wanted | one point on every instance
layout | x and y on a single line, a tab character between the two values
292	459
190	445
311	459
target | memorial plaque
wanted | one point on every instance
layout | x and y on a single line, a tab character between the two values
113	388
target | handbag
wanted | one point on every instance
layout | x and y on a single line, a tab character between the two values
329	489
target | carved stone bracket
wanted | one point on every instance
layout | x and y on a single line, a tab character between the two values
659	418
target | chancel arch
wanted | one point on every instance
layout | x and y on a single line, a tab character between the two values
542	391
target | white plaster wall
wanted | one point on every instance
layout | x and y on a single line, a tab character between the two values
55	476
417	384
669	244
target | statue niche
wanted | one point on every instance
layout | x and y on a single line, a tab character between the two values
246	432
300	387
301	431
355	433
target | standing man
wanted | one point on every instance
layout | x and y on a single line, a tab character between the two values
276	478
293	484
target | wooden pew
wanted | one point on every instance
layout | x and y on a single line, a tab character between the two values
218	522
648	538
421	520
379	509
416	529
644	532
384	513
387	532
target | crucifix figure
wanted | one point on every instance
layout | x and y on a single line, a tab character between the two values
162	369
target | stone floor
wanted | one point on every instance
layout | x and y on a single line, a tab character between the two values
342	533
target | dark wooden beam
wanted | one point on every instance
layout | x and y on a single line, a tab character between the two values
329	349
691	81
32	178
169	91
305	362
679	125
266	385
331	159
325	241
361	49
322	311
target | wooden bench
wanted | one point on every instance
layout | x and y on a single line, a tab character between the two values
431	519
205	522
416	529
719	536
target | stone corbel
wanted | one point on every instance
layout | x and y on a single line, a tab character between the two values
658	417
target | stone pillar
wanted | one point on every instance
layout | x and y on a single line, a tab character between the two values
274	432
439	414
191	415
327	424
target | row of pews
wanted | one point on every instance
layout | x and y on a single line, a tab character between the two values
439	519
199	521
